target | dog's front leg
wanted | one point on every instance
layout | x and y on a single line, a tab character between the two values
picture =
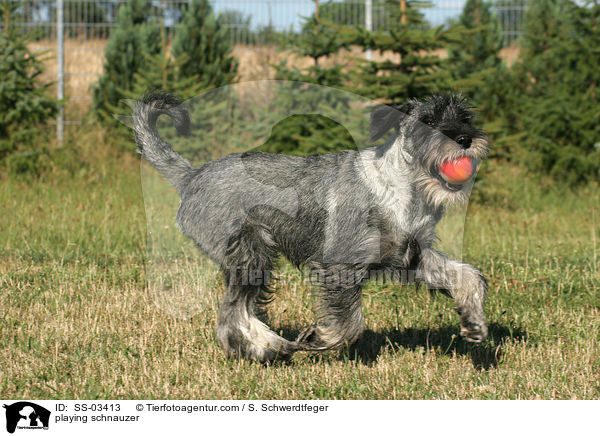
465	284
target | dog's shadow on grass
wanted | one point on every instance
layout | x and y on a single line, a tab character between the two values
445	340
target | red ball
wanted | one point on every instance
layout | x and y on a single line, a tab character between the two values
458	171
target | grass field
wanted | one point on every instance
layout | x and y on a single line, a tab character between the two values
78	320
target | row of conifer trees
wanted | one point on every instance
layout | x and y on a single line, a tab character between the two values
541	110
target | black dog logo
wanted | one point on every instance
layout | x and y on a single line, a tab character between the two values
26	415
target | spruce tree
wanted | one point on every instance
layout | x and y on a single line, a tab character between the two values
547	25
351	12
318	42
204	47
163	72
416	69
25	102
311	134
560	76
476	55
202	63
480	74
237	25
130	43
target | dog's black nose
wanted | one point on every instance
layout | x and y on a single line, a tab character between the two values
464	141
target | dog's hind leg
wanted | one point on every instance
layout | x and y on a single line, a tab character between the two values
240	332
340	321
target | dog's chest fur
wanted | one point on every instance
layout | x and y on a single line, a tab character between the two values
406	222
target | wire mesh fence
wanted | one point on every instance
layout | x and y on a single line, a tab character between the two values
252	24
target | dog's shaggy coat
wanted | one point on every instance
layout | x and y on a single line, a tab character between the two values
344	215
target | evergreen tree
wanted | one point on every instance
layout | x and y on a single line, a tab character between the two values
480	74
547	25
25	103
204	47
352	13
476	54
131	42
311	134
559	73
202	60
510	17
237	25
163	72
318	42
417	69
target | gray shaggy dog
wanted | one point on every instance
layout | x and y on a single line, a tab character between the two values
344	215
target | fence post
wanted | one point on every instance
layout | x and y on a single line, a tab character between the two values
369	23
60	43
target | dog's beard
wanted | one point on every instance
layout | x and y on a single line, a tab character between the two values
438	195
435	189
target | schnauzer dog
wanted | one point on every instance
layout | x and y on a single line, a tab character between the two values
343	215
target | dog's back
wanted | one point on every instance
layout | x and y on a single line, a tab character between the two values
283	198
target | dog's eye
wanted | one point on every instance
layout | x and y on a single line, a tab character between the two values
427	120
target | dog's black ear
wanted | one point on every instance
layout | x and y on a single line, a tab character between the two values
406	108
384	117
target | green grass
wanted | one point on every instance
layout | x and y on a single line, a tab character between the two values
78	320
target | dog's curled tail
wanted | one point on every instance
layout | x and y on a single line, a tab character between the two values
160	153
